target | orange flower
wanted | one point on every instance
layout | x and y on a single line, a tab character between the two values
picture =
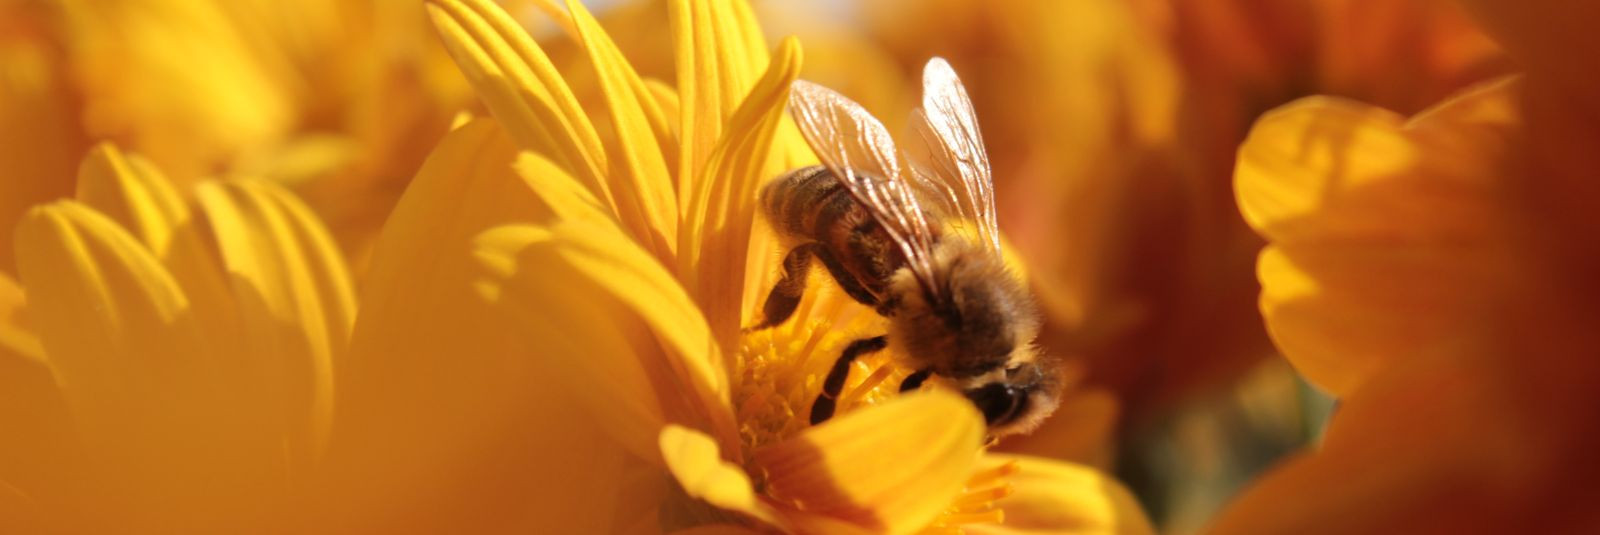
1115	126
1436	273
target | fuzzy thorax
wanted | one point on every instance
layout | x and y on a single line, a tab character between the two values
985	321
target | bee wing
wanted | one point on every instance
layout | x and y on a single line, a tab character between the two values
858	150
947	154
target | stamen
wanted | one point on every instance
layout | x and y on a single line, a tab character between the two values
872	381
994	516
985	478
977	504
984	497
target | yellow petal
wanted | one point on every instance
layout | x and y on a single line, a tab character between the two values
889	468
565	276
132	364
443	423
716	245
693	460
718	49
641	179
1382	231
295	300
1055	497
620	380
17	336
132	192
41	452
521	88
563	195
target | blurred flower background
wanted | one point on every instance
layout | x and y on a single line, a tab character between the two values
1315	266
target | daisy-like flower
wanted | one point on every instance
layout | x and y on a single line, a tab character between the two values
336	100
1436	273
167	364
551	335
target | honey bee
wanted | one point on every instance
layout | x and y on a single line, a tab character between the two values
953	307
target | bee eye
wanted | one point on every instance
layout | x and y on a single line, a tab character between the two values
999	402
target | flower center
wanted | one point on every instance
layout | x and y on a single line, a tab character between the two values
781	371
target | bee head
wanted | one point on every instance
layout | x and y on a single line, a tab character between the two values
977	321
1019	399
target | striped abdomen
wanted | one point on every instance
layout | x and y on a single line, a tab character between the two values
811	205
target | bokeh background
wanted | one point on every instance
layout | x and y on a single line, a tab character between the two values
1112	126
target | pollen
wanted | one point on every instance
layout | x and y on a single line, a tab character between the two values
780	370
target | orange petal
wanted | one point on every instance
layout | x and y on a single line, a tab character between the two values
1055	497
131	191
536	270
41	453
889	468
1382	232
443	424
693	460
152	404
296	304
1431	437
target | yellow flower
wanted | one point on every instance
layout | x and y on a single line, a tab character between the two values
167	366
1436	273
336	100
550	335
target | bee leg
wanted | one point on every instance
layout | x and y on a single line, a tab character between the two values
846	280
833	385
914	381
785	296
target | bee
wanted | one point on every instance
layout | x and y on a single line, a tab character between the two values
953	307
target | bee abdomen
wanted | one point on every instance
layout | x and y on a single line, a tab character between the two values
796	201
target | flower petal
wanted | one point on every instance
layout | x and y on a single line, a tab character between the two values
295	299
693	459
1376	227
715	247
153	406
562	267
889	468
132	192
41	451
521	87
641	179
444	423
717	51
1431	437
1055	497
